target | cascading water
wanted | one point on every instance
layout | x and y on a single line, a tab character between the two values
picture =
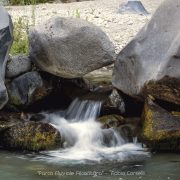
85	141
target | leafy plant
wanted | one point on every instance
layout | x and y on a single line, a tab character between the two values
77	13
20	33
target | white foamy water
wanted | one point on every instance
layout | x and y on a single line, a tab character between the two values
85	141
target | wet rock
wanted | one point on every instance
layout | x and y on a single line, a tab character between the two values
5	45
149	64
18	65
112	120
129	128
9	119
31	136
69	47
114	103
74	88
83	89
175	113
27	89
161	129
166	89
37	117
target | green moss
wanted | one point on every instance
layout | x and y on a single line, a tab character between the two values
175	113
150	124
14	100
111	120
107	118
20	33
32	136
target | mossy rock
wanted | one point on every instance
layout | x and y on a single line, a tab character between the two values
31	136
113	120
161	129
9	119
166	89
175	113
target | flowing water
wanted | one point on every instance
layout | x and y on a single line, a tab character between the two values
84	141
15	166
88	152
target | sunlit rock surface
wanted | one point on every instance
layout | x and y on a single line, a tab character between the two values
18	65
69	47
153	56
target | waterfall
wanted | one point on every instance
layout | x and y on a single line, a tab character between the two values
85	141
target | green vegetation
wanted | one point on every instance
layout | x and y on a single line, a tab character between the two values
20	33
77	13
27	2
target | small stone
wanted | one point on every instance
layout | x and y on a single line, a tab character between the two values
17	65
27	89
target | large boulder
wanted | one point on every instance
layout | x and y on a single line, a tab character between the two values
18	65
69	47
5	45
33	136
152	58
27	89
161	129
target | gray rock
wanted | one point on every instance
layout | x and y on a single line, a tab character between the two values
153	55
17	65
5	45
69	47
28	88
102	76
114	102
133	6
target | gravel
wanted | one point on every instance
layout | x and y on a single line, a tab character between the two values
120	28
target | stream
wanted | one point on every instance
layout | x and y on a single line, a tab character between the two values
15	166
88	152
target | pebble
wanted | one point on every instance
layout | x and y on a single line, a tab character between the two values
103	13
